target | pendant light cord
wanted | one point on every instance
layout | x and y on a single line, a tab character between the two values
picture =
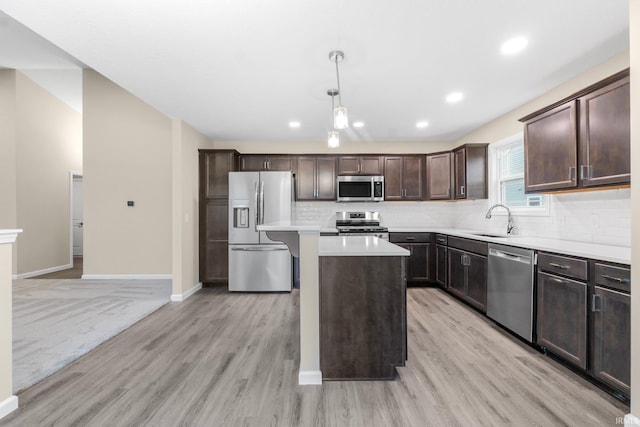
338	77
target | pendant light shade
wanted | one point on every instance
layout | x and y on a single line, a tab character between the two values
340	118
334	139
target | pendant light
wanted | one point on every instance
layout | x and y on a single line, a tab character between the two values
340	118
334	137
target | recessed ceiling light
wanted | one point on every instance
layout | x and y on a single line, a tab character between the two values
454	97
358	124
422	124
294	124
514	45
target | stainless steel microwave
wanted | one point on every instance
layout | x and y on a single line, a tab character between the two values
360	188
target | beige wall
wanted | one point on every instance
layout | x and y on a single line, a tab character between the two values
634	25
48	147
8	209
320	147
508	124
127	156
186	142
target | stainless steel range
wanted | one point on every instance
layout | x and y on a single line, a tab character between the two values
360	224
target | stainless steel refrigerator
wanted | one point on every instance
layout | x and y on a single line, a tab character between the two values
257	263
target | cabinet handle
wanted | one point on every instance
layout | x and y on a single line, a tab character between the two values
593	303
561	267
582	174
411	238
571	172
614	279
462	190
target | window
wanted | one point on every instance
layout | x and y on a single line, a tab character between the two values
508	161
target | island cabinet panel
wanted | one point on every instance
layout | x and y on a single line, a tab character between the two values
605	135
562	317
215	166
360	165
439	176
363	325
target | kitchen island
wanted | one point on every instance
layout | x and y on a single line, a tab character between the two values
363	317
303	239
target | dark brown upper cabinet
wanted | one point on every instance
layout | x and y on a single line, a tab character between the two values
581	141
605	135
360	165
404	177
470	171
551	149
262	162
439	176
316	178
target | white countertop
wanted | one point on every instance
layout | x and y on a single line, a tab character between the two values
617	254
290	226
358	246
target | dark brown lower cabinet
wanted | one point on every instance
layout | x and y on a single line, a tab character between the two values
562	317
441	265
611	345
467	277
363	317
418	264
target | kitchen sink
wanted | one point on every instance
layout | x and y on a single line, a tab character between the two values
497	236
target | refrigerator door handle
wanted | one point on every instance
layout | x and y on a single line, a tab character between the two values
257	207
262	202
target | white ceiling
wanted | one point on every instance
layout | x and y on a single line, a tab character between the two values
242	69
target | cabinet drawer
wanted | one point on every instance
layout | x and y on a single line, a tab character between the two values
570	267
611	276
469	245
410	237
441	239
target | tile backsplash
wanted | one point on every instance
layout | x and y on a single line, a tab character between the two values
602	216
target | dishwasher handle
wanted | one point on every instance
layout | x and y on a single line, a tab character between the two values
509	256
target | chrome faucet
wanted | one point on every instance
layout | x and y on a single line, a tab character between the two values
510	224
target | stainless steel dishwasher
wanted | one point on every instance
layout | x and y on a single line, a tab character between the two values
510	288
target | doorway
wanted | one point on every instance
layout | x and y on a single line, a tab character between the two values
77	222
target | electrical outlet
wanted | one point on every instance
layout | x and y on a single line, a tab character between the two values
130	203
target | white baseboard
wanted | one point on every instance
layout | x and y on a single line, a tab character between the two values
127	276
41	272
631	421
8	405
183	296
309	377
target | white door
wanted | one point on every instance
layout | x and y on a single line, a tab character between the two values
77	216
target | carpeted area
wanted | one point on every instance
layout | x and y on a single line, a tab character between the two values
57	321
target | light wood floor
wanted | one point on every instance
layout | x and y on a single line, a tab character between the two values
70	273
221	359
